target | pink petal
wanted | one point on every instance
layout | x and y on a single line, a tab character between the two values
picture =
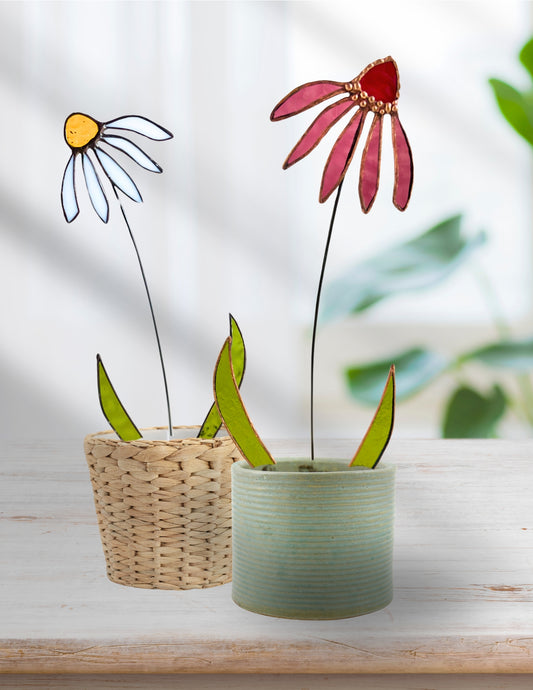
320	126
305	96
341	155
403	166
370	162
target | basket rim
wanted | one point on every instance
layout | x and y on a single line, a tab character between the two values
107	436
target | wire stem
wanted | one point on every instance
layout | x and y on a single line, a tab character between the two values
315	320
151	312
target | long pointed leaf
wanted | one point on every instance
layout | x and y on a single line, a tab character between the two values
379	432
112	408
213	422
233	412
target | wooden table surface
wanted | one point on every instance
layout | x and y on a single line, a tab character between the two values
463	598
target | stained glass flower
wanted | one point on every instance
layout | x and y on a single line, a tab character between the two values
87	137
376	90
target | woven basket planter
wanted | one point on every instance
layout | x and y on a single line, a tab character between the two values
164	508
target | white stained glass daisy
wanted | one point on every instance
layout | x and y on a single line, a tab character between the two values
83	134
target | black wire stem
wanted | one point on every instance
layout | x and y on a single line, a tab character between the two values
315	321
151	311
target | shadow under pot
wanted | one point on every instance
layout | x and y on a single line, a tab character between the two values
312	540
163	507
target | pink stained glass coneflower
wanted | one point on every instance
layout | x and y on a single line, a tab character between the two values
376	90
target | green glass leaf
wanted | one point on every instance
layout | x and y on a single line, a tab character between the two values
379	432
233	412
415	369
470	414
516	108
413	265
516	355
213	422
526	56
112	408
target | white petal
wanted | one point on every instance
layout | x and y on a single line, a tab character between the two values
133	151
94	187
118	176
141	125
68	192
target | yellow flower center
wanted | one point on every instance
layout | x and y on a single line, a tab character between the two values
80	129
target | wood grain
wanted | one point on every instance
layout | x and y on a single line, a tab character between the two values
268	682
463	579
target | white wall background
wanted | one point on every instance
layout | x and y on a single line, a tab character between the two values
224	228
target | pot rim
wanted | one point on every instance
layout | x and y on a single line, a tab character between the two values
359	470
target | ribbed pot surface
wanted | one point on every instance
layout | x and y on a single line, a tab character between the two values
312	544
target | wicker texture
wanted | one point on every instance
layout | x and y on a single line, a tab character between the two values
164	509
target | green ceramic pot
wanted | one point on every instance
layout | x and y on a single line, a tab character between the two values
312	540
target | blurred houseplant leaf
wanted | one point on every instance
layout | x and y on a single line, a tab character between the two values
415	369
526	56
516	107
413	265
507	354
470	414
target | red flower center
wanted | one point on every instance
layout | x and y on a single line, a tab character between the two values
381	82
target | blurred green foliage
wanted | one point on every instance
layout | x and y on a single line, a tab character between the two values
419	264
414	265
470	414
517	106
